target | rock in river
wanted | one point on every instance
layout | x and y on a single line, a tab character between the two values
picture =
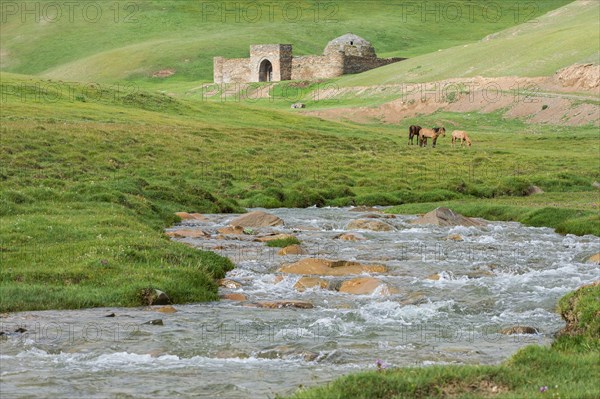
594	258
292	250
310	282
369	224
519	330
234	296
154	297
188	233
231	230
166	309
191	216
326	267
228	283
256	219
350	237
365	286
446	217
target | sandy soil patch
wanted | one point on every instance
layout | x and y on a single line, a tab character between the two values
563	98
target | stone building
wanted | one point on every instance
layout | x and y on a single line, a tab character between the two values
274	62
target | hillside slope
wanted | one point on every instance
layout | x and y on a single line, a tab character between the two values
131	41
538	48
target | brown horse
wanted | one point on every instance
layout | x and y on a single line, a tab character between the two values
412	132
433	133
462	136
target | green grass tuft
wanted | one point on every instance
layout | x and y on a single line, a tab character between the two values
283	242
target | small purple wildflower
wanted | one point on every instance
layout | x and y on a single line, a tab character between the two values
380	364
544	388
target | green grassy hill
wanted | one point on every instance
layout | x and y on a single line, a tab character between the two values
135	39
537	48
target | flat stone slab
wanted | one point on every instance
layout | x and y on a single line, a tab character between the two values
325	267
257	219
369	224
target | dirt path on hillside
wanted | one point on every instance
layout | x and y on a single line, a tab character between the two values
571	97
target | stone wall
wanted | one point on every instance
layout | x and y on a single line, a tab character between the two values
231	70
361	64
287	67
312	67
280	57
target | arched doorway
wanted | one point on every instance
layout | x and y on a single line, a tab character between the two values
265	71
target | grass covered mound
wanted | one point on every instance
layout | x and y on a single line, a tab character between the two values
581	311
568	369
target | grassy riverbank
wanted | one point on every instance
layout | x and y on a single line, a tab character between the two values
544	210
568	369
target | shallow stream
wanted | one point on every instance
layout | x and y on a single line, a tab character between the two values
489	278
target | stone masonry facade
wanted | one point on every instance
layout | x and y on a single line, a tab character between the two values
274	62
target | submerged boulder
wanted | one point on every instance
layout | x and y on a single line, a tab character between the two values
257	219
287	352
188	233
228	283
191	216
518	330
365	286
455	237
350	237
446	217
325	267
369	224
234	296
292	250
310	282
594	258
155	322
231	230
166	309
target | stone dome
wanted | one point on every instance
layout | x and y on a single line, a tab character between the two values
350	44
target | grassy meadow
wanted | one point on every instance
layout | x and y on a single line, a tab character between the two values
90	180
